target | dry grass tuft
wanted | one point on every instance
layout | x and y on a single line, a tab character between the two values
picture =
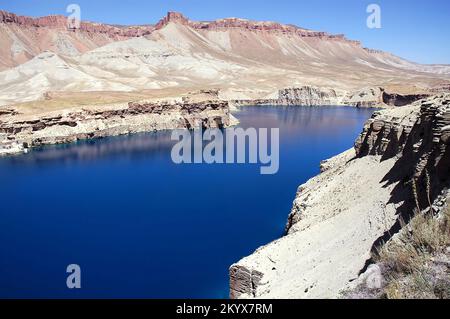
417	263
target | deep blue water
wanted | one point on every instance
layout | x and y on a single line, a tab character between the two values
142	227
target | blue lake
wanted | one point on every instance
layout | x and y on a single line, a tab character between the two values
141	226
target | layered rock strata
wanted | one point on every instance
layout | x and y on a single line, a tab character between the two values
60	22
249	25
23	38
246	59
19	132
308	96
315	96
342	215
420	136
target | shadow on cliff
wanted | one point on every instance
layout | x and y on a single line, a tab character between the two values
421	161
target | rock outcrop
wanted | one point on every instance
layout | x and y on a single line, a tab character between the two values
420	136
396	99
378	96
358	201
308	96
305	95
249	25
21	132
239	56
175	17
61	22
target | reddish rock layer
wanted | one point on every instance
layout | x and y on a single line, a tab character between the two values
235	23
60	22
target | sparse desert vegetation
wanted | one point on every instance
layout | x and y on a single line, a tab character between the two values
416	264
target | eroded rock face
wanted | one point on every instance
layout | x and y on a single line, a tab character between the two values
314	96
243	282
424	127
366	97
69	126
357	203
24	37
421	141
172	17
384	130
60	22
244	24
395	99
308	95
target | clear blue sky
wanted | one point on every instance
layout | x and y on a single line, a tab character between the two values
418	30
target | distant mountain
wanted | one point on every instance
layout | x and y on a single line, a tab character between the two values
22	38
245	59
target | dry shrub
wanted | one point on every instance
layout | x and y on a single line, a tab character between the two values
399	258
411	266
429	234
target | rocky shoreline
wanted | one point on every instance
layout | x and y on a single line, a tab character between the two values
376	97
357	203
20	132
338	217
208	108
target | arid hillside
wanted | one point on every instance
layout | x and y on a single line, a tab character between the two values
243	59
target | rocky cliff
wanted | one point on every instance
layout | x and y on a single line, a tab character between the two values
421	140
304	95
19	132
308	95
249	25
358	202
60	22
418	245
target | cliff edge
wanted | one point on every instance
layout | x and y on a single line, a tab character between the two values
21	129
359	201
